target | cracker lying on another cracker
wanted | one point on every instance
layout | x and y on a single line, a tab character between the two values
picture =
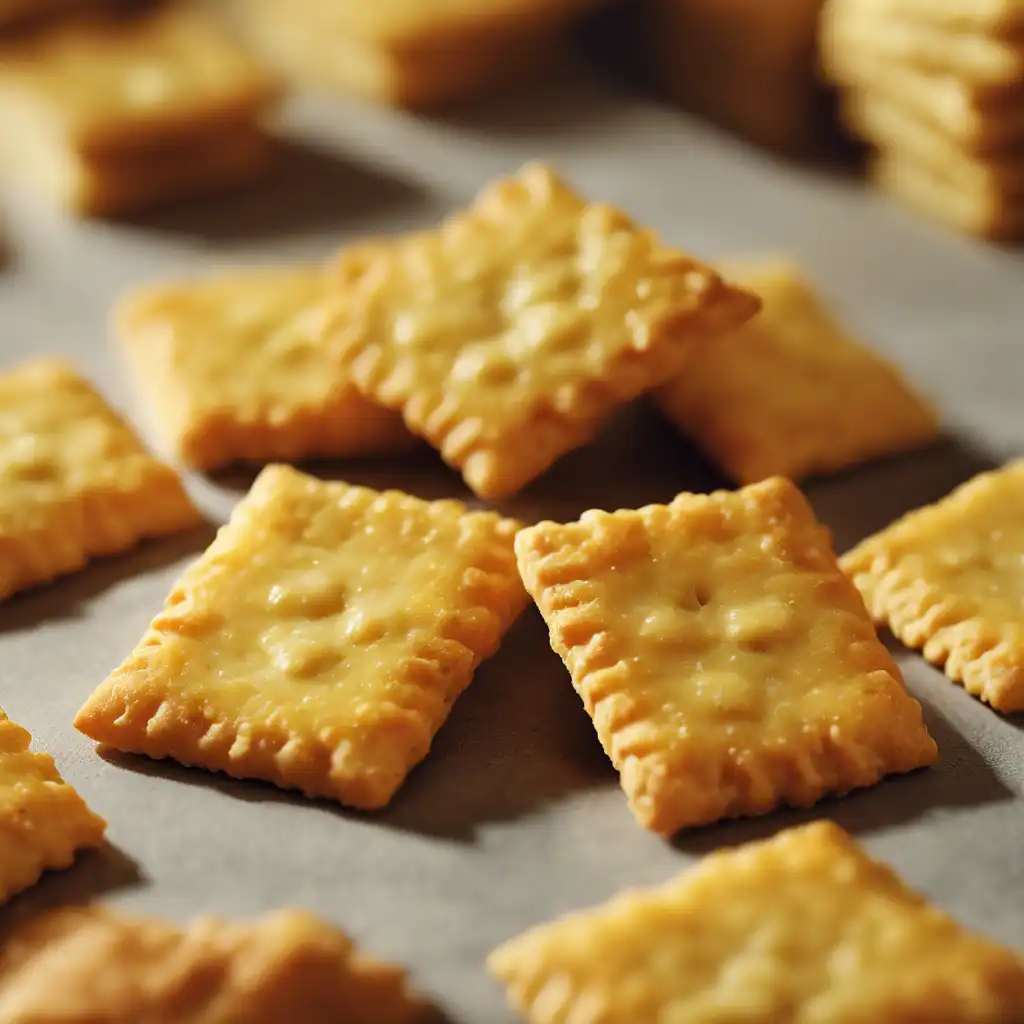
791	393
320	642
43	821
75	482
508	336
235	370
92	964
727	663
803	928
949	579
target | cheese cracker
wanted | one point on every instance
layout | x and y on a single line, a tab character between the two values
110	83
320	642
975	208
791	393
74	480
92	964
43	821
234	370
948	579
727	663
508	336
803	928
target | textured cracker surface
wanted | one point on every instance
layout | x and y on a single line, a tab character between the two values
791	393
321	640
948	580
803	928
509	335
728	665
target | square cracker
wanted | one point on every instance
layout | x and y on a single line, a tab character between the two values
320	642
803	928
727	663
507	336
983	211
948	579
110	83
74	480
234	370
859	30
791	393
43	821
90	963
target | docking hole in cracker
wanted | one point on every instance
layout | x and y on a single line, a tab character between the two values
791	393
75	483
320	642
43	821
803	928
507	336
93	964
235	371
728	665
948	580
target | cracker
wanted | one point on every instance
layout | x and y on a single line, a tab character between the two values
43	821
791	393
311	50
74	481
803	928
92	964
727	663
234	370
105	84
320	642
947	579
855	30
926	189
510	334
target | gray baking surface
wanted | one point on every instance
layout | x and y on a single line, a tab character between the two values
516	816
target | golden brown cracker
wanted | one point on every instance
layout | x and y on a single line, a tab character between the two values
947	579
116	83
727	663
75	482
791	393
320	642
507	336
802	928
234	369
92	964
43	821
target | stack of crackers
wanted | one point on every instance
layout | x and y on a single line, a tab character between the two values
937	89
748	65
110	111
407	52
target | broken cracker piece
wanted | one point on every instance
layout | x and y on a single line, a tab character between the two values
727	663
91	964
235	371
803	928
320	642
74	480
948	579
791	393
508	336
43	821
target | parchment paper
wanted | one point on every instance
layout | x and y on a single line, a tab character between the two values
516	816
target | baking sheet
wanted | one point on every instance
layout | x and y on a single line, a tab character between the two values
516	816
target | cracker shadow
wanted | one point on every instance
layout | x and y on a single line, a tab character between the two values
309	188
517	739
95	872
65	597
960	778
865	499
